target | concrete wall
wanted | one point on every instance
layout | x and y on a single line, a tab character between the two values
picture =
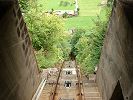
19	74
116	62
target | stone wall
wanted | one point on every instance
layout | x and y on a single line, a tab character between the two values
116	62
19	74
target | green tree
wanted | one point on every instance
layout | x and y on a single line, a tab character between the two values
24	4
49	39
75	38
87	45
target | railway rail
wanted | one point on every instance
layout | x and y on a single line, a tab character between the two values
65	84
56	85
68	85
79	82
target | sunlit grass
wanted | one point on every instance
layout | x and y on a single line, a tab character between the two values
89	9
55	4
79	22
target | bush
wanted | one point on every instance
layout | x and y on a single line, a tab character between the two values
75	38
65	15
48	35
87	44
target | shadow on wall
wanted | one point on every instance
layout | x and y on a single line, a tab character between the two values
4	6
117	94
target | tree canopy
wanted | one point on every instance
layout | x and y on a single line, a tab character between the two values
49	39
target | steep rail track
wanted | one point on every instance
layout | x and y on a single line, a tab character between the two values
80	89
66	84
56	85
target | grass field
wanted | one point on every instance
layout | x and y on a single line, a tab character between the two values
55	4
79	22
89	9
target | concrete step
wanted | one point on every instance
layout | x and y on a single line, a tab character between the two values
91	89
92	98
93	94
90	84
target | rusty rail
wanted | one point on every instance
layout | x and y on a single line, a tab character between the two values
83	87
79	80
55	89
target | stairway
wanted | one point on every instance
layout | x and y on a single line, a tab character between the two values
90	88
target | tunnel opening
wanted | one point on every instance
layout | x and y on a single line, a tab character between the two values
117	94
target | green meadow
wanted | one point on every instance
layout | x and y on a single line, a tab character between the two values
89	9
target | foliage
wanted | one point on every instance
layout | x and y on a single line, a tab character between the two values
88	44
110	3
24	5
75	38
65	15
49	39
45	31
51	42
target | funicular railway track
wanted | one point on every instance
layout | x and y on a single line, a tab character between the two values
67	85
79	82
56	85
